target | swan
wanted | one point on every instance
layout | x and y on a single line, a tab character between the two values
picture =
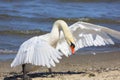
48	49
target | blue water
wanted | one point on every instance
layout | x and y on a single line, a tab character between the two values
22	19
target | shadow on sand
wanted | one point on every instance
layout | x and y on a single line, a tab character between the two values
42	74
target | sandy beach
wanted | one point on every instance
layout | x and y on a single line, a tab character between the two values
102	66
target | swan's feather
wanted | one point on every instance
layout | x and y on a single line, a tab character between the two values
87	34
63	46
37	52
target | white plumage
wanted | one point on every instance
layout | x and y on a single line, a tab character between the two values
37	52
92	35
46	50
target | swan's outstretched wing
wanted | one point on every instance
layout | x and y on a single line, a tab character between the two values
37	52
87	34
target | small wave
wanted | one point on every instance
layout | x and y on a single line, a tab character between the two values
62	0
13	0
7	51
14	17
87	19
102	20
89	0
8	16
52	19
24	32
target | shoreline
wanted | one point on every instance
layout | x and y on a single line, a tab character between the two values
73	67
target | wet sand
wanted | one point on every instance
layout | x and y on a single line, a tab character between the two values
102	66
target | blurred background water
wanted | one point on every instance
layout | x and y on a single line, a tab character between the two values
22	19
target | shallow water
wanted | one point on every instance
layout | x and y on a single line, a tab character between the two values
4	57
20	20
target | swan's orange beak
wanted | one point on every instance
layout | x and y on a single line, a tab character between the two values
72	49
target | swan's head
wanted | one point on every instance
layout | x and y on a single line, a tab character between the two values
68	35
62	25
71	43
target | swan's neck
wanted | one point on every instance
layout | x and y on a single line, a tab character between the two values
60	25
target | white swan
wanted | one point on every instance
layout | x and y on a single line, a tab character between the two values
46	50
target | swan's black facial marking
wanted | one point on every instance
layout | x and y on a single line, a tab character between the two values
72	45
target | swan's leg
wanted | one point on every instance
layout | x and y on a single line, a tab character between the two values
51	73
24	71
25	77
50	70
